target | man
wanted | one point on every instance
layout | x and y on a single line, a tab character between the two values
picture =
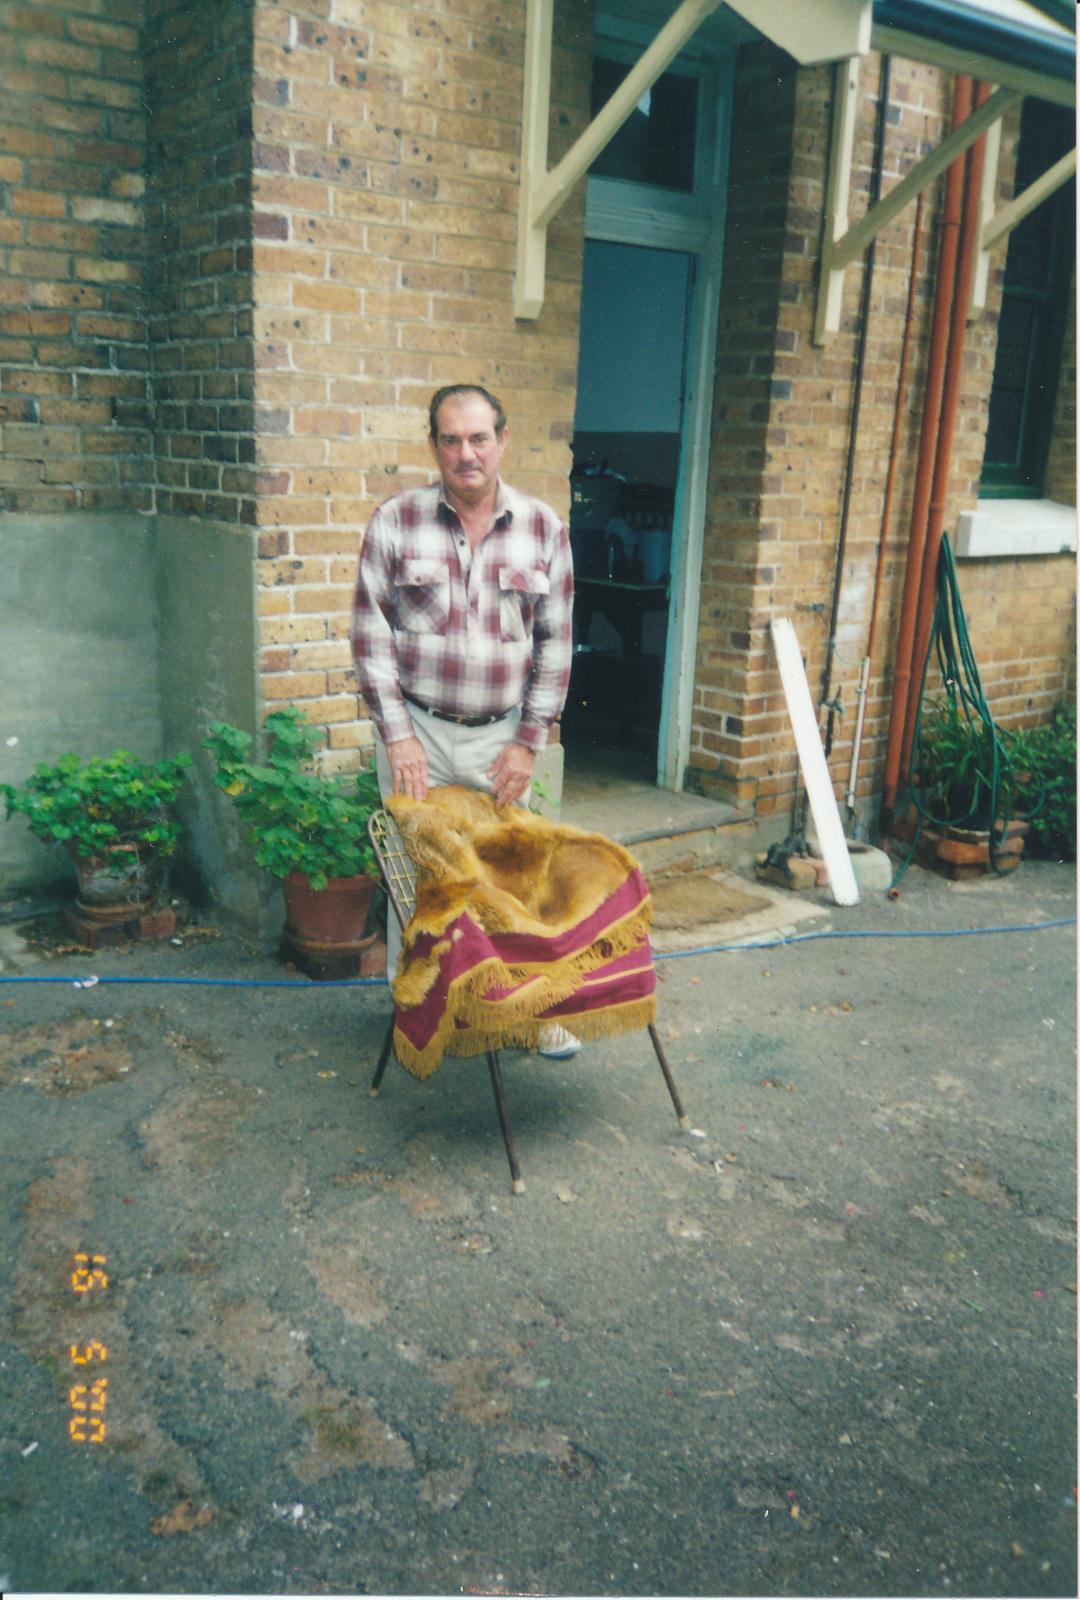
462	624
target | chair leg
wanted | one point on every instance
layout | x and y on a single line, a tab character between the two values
384	1057
684	1120
517	1182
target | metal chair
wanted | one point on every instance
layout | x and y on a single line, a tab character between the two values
398	877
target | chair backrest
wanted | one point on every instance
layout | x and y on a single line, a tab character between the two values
395	865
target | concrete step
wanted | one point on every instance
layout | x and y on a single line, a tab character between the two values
730	843
666	832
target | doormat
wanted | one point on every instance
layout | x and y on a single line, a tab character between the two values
696	898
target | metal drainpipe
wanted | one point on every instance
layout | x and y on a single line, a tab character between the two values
935	368
969	232
886	505
856	411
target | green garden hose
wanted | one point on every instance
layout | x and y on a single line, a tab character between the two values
991	776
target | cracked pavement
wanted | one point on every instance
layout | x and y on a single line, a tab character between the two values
825	1344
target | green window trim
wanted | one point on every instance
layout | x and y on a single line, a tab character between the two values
1031	325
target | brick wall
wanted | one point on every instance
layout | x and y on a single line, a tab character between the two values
74	395
329	235
386	149
198	71
781	421
1020	615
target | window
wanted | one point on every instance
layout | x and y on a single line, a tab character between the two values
656	144
1038	271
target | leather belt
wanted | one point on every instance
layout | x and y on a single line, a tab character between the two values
450	716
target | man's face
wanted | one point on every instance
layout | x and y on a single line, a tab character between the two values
467	447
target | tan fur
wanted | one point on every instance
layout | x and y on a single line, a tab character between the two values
511	871
516	871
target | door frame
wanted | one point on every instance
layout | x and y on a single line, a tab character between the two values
628	213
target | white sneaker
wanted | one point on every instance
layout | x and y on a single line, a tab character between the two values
555	1041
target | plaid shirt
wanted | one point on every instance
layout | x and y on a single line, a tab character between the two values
469	632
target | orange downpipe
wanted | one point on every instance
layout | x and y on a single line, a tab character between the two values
965	269
924	471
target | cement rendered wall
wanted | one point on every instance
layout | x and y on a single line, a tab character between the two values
205	605
80	661
134	632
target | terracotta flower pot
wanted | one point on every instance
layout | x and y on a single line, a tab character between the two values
965	852
123	876
331	919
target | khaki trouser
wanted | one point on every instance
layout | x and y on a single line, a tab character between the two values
455	755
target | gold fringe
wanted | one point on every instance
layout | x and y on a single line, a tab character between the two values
522	1034
412	986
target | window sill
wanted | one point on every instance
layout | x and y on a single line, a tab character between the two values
1016	528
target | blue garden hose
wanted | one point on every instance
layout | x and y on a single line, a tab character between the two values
92	982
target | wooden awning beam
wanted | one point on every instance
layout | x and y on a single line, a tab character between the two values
553	190
842	243
1000	226
815	29
544	193
810	30
990	69
535	111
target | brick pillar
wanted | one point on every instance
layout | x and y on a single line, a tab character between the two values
743	468
198	78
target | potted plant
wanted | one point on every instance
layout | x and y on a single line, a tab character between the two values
112	814
970	777
308	829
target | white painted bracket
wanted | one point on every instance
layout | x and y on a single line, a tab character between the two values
812	30
1023	204
535	111
837	192
815	771
543	193
999	225
843	243
987	202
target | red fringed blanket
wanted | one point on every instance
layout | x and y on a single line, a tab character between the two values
518	921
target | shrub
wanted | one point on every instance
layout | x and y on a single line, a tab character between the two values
1047	757
299	820
964	772
92	805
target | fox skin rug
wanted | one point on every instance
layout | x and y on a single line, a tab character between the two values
519	921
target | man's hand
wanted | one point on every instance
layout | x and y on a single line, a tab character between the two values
408	768
511	773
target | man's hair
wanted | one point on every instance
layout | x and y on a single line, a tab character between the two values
453	389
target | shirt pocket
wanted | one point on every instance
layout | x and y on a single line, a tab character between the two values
519	590
423	597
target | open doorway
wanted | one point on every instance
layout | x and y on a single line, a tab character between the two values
628	429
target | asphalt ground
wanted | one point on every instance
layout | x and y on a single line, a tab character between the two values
822	1344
